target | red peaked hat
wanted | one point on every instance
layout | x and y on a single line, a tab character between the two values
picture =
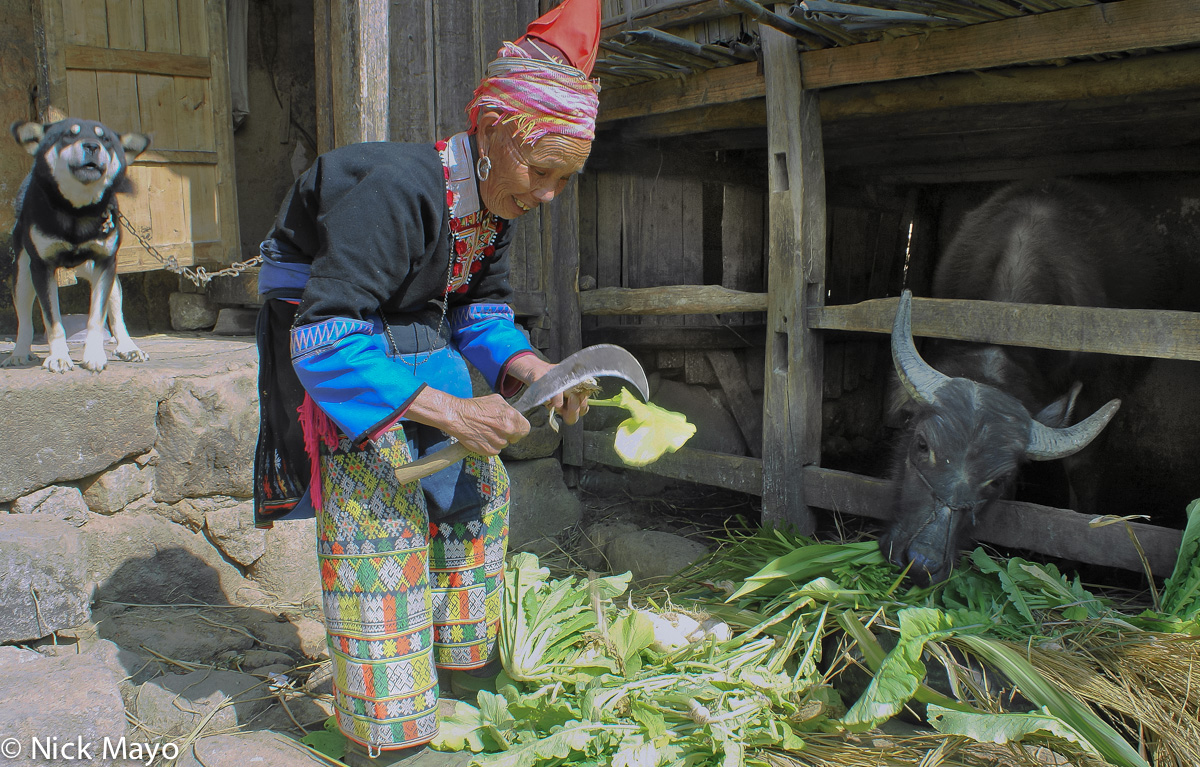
572	28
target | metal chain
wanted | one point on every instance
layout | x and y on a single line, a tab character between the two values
199	276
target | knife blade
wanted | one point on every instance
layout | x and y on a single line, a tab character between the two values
585	365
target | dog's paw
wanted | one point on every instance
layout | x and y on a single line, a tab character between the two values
58	364
15	360
94	360
94	365
132	354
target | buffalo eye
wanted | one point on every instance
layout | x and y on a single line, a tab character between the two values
999	481
922	449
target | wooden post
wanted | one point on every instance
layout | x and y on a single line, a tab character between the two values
412	91
351	40
796	282
560	270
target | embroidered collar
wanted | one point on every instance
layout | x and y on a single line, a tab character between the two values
464	190
473	230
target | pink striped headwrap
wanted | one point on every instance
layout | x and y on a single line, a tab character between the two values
539	96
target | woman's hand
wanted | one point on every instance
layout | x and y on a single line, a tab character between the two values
572	403
484	425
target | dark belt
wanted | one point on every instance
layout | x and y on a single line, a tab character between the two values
419	331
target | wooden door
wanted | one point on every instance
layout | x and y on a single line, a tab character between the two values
157	67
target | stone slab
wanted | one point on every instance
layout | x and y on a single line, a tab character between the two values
43	577
72	699
60	428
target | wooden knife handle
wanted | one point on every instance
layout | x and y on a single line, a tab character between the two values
431	464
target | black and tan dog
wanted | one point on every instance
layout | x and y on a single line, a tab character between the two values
67	217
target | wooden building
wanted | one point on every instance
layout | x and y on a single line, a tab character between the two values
764	182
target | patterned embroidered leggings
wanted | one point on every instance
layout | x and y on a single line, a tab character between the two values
402	595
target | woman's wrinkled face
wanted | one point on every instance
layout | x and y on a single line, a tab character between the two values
524	176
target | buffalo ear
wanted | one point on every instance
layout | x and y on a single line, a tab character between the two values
28	134
1058	413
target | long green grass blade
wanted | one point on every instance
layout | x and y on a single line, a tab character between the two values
1107	742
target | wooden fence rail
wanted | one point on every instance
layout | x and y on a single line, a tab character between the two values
1046	530
671	299
1129	332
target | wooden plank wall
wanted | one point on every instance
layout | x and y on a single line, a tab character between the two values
148	66
642	230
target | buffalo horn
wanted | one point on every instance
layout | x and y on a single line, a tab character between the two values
1046	444
920	380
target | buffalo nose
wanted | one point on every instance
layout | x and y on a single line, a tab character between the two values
925	569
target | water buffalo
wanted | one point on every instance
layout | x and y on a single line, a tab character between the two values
977	413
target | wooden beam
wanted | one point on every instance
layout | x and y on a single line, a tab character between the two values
676	162
1013	524
746	411
412	90
1019	129
721	85
1075	81
139	62
706	119
992	169
796	281
666	15
1046	530
670	299
1130	332
561	269
1073	32
1078	80
358	46
50	50
686	337
222	126
323	53
732	472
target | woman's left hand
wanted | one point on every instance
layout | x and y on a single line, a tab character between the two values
572	404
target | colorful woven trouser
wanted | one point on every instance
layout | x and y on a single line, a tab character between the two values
403	595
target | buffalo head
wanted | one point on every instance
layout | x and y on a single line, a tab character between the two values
963	448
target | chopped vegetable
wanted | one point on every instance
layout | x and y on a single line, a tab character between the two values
649	432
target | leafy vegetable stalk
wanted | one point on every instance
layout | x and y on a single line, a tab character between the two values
649	432
1181	599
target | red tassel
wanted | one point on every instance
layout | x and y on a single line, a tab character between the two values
317	427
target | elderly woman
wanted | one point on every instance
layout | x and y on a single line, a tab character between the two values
385	272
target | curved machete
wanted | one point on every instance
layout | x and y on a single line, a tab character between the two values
592	362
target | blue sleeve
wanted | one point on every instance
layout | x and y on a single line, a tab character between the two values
488	337
341	366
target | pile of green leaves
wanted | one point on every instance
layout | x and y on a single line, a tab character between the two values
582	685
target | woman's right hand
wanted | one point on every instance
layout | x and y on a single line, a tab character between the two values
484	425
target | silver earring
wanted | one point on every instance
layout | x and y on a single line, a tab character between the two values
483	167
